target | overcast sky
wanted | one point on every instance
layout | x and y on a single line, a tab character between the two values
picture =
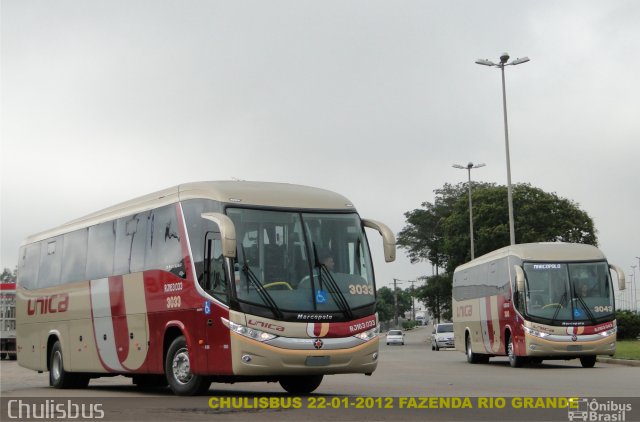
103	101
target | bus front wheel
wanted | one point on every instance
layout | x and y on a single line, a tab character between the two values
514	361
58	377
588	361
301	384
178	371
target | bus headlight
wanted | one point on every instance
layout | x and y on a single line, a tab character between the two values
535	333
251	333
609	332
369	334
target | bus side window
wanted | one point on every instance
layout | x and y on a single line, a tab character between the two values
74	256
130	241
102	242
29	266
163	247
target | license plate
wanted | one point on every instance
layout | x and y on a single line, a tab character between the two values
317	361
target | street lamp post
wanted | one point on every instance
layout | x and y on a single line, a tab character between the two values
468	167
503	62
395	301
633	290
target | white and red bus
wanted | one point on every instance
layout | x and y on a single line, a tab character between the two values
204	282
534	302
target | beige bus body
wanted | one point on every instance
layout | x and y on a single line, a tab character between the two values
489	300
77	315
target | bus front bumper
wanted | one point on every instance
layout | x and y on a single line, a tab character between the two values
567	345
254	358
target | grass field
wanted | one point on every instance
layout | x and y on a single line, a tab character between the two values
628	349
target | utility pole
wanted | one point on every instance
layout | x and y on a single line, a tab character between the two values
395	302
413	301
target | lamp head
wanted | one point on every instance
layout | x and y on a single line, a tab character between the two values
485	62
520	60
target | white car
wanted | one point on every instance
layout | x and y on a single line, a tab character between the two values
395	337
442	336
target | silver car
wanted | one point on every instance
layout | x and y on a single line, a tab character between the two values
395	337
442	336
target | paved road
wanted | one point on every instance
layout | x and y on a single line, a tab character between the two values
410	370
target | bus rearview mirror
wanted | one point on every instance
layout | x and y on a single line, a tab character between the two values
388	239
620	273
519	277
227	232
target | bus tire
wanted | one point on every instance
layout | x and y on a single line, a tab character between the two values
178	371
301	384
471	357
58	377
588	361
514	361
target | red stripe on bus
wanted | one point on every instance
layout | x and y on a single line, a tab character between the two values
487	302
119	317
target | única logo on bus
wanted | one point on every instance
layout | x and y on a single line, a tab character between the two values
48	304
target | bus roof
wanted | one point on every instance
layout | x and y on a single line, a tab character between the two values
239	193
544	251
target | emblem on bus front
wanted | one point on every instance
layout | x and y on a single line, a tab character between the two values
318	344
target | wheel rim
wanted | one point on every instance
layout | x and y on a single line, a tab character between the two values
510	350
56	365
468	344
181	367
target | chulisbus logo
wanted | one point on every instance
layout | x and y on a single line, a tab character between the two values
581	409
52	409
48	304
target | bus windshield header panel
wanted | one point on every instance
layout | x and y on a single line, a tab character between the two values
569	293
302	265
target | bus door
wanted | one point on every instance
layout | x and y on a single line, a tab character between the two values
215	282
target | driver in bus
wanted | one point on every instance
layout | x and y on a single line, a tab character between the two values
584	290
327	261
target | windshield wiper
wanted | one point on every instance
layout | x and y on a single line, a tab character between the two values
563	299
262	292
339	298
586	308
333	287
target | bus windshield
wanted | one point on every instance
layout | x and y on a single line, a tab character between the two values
302	262
568	292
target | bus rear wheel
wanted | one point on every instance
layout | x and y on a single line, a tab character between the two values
301	384
177	366
474	357
588	361
58	377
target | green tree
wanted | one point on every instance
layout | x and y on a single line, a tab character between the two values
628	325
7	276
439	232
436	296
385	303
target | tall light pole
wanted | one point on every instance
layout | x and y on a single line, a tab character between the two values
395	301
504	58
468	167
633	290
